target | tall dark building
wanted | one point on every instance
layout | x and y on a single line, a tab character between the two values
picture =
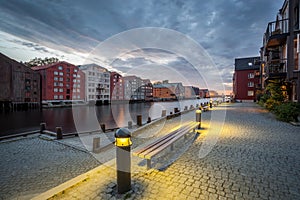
19	84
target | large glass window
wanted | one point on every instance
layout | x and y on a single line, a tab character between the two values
60	67
250	84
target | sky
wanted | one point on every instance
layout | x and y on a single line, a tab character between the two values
189	41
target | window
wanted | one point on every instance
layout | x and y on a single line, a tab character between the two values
60	67
78	75
251	75
68	85
55	90
55	73
61	89
250	84
61	84
75	70
55	97
56	78
250	93
74	80
61	96
61	79
55	83
74	75
61	73
78	81
68	69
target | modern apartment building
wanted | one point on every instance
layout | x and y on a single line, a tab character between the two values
281	48
97	84
246	78
133	88
19	85
116	87
147	89
62	82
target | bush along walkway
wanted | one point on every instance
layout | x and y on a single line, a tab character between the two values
275	100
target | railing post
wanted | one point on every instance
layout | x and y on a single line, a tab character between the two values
163	113
139	120
130	124
42	127
103	127
96	145
59	135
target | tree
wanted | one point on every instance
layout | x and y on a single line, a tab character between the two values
39	61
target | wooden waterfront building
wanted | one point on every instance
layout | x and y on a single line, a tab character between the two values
19	85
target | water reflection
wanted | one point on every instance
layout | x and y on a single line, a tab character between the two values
83	118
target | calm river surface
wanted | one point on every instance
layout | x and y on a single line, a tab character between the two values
83	118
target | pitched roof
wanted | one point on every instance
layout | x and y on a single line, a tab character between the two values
49	65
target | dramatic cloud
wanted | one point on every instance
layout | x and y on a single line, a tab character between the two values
72	29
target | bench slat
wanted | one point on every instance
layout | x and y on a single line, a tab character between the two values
156	142
152	147
168	143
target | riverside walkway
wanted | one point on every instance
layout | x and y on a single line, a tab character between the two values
249	156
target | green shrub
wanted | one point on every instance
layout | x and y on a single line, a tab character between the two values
271	104
287	111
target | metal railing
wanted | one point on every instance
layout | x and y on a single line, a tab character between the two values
277	27
276	68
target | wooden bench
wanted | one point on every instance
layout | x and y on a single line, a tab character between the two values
205	108
152	149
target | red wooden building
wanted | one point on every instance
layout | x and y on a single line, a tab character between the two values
61	82
246	78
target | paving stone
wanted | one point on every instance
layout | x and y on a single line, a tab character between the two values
255	157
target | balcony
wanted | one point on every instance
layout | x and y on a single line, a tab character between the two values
276	69
276	33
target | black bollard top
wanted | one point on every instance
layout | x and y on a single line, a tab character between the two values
123	133
122	136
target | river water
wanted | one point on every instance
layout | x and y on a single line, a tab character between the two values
84	118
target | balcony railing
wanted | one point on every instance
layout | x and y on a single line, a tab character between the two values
276	28
276	69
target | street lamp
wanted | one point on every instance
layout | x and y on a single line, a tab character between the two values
123	143
198	118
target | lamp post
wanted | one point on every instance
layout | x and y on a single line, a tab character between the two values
198	118
123	143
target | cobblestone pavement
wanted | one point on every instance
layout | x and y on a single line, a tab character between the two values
37	163
256	157
32	165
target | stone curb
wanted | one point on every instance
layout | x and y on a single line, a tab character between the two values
71	183
83	177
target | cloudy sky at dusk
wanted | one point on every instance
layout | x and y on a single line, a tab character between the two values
72	29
